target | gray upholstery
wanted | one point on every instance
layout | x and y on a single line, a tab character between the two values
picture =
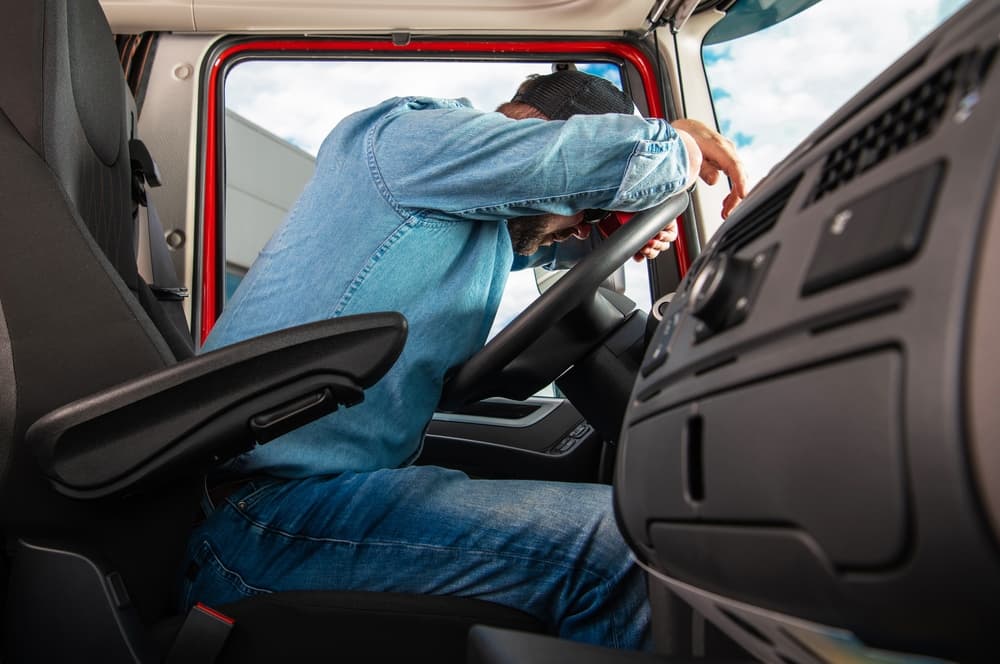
64	93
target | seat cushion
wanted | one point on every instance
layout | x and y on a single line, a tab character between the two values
325	626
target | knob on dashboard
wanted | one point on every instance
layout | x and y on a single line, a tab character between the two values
718	294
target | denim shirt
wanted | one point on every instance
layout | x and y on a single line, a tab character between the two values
407	212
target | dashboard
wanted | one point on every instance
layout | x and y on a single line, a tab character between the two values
811	451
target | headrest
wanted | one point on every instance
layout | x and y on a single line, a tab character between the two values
59	61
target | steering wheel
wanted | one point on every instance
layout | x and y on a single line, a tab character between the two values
476	378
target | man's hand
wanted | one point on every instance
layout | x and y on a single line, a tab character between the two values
718	155
660	242
656	245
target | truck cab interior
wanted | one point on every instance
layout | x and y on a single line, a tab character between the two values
796	406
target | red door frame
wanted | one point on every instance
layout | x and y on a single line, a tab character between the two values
211	306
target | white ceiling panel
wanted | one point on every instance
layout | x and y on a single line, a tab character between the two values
466	16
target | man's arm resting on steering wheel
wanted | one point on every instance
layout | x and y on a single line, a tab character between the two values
498	168
709	154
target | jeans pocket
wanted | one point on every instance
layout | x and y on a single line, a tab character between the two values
254	491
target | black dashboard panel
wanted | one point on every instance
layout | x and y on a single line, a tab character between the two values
810	455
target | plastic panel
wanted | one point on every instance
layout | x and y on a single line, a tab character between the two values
837	428
382	15
61	606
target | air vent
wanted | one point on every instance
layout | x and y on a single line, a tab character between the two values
908	121
757	222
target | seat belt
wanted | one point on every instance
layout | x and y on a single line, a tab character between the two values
159	282
152	256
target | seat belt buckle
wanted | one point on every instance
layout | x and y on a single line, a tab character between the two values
201	637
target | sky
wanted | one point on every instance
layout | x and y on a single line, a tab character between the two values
295	100
772	88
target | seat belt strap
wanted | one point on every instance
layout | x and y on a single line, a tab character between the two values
201	637
163	278
152	256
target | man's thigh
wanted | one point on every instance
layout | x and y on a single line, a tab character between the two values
419	529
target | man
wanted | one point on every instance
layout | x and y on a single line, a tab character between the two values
417	206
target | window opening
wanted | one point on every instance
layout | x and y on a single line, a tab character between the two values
278	111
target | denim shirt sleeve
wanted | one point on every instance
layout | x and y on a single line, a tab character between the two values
454	162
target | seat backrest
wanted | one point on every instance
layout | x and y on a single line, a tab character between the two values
71	322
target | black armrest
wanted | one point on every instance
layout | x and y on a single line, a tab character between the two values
188	417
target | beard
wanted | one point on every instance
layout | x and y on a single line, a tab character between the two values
527	234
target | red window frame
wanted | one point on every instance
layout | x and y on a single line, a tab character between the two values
211	260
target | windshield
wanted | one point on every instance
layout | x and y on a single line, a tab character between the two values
772	87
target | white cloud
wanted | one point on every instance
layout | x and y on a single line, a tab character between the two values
786	80
301	101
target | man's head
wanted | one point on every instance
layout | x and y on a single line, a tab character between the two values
559	96
563	94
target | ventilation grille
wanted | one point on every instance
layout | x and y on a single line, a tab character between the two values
908	121
758	222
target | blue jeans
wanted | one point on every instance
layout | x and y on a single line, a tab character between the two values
550	549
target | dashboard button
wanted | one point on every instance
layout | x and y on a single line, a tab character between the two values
877	231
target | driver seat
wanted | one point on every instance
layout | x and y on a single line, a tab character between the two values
107	423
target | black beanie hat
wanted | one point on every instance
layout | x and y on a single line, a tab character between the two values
566	93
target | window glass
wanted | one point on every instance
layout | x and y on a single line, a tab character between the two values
771	88
279	111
